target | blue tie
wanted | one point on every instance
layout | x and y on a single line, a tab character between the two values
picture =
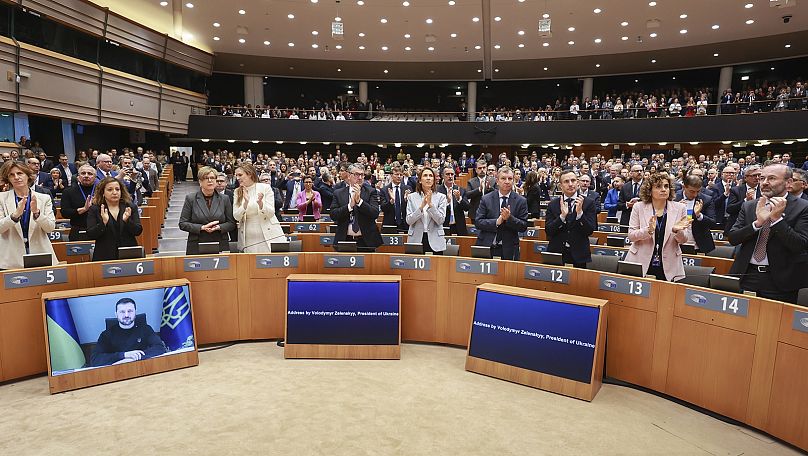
398	205
504	202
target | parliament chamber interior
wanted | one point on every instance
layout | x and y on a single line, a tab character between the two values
419	227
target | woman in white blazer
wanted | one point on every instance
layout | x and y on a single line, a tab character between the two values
23	211
426	211
254	210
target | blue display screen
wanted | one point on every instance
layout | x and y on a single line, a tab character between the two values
342	313
554	338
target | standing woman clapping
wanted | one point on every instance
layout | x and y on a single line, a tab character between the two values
426	211
113	220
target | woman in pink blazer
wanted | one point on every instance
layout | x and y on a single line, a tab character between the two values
308	201
657	227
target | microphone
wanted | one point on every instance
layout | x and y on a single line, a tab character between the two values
243	249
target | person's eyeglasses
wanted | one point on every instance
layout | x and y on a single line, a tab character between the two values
358	174
220	181
209	178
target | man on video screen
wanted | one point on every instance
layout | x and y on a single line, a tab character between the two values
127	341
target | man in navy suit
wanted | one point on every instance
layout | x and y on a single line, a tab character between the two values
41	178
630	193
799	184
455	215
700	206
501	216
104	168
67	170
571	218
293	186
394	201
355	211
747	191
721	191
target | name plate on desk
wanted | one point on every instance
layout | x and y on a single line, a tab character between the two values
625	286
473	230
608	228
800	322
717	302
691	261
139	268
538	248
291	238
56	236
610	252
543	274
325	218
717	235
392	240
477	267
79	249
307	227
532	232
24	279
288	218
275	261
327	240
413	263
344	261
206	263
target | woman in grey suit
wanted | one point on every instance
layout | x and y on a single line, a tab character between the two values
207	215
426	211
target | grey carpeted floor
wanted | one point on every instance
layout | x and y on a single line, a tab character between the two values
247	399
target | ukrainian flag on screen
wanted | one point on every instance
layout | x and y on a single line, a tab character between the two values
63	339
176	327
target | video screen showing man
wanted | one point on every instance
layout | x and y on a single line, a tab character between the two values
127	337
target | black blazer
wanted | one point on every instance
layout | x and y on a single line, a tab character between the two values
116	233
701	228
474	193
459	228
626	194
72	201
533	196
388	207
486	222
787	247
720	203
195	213
572	231
366	214
737	196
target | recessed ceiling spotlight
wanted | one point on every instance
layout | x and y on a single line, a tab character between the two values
570	42
290	16
598	40
475	19
496	70
546	15
216	38
242	40
451	3
429	20
520	32
360	3
750	22
163	3
385	71
496	46
651	3
521	45
189	5
478	47
405	3
315	1
545	44
315	32
683	16
361	34
624	23
715	55
571	29
597	10
653	35
716	27
242	12
266	43
290	44
749	5
597	65
453	35
216	24
772	68
408	48
337	19
430	48
683	31
383	20
788	46
636	80
545	68
361	48
479	70
384	48
339	46
497	18
653	60
315	45
407	35
624	38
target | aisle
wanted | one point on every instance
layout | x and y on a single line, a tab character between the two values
172	240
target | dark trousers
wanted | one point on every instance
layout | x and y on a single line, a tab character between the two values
427	247
761	284
496	251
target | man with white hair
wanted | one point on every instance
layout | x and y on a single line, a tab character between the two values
104	165
151	172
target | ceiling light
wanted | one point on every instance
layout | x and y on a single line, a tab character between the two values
750	22
163	3
546	15
636	80
475	19
384	48
453	35
545	68
405	4
407	35
189	5
716	27
266	43
383	20
674	78
315	1
208	140
216	24
788	46
242	12
290	44
216	38
361	34
315	32
625	38
407	48
187	36
683	16
496	46
360	2
338	19
604	144
521	45
545	44
802	140
715	55
339	46
653	60
479	70
744	78
520	32
749	5
497	18
290	16
597	10
788	143
683	31
430	48
314	46
231	140
598	40
385	71
651	3
496	70
429	20
571	29
451	3
242	40
478	47
772	68
361	48
653	35
570	42
624	24
597	65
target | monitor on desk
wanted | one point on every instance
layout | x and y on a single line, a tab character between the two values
346	246
552	258
629	268
414	248
725	283
130	253
615	241
480	251
37	260
209	248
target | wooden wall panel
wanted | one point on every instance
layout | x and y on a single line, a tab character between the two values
134	36
58	86
75	13
175	108
21	326
630	346
789	401
129	101
186	56
8	65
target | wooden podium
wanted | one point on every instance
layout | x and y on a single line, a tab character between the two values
343	316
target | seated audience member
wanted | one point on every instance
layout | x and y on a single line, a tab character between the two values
113	220
355	209
657	227
426	212
571	218
457	204
613	196
207	215
26	217
772	232
308	200
76	202
126	340
501	216
700	208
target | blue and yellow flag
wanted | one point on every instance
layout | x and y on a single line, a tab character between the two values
63	339
176	328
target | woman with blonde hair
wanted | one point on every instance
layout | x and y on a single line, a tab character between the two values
254	210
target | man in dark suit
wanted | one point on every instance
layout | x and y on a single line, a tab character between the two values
700	205
104	169
46	162
67	170
393	198
721	191
501	216
455	215
571	218
477	187
584	183
799	184
748	191
343	176
630	193
773	234
41	178
76	202
293	185
355	211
